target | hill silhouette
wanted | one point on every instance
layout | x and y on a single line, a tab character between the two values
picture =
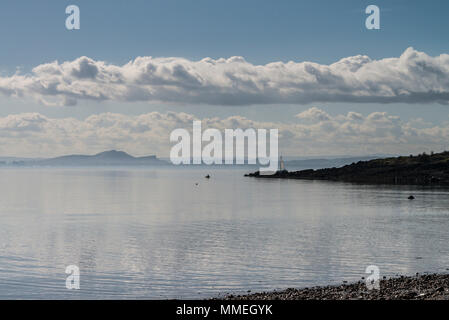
105	158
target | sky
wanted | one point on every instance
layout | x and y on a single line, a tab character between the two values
137	69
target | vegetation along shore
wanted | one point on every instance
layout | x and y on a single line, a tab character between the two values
423	169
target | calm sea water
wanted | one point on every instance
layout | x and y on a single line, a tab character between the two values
152	233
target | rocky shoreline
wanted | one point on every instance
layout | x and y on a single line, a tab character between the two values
423	169
418	287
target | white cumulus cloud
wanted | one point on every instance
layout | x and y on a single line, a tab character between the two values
33	134
413	77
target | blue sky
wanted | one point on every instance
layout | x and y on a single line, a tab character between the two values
33	33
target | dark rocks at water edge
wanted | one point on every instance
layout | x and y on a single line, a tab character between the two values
419	287
422	169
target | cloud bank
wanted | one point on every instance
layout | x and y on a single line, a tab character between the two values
414	77
313	132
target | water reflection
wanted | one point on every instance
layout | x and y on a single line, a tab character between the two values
147	233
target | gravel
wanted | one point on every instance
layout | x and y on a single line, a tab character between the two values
418	287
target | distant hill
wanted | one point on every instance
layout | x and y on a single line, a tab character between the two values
422	169
106	158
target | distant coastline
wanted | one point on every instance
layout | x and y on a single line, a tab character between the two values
121	158
106	158
423	169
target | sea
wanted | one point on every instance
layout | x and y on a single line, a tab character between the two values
170	233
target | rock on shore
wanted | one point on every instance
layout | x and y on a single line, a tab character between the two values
419	287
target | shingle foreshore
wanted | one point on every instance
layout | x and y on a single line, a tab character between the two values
418	287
